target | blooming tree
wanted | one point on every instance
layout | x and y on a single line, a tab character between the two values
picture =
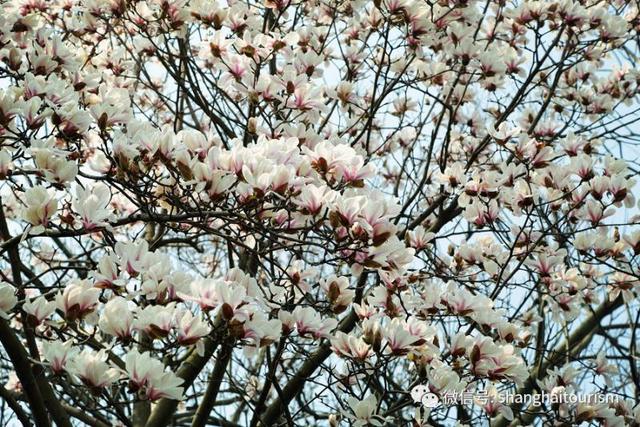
295	212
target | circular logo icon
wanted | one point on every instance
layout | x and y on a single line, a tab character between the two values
418	392
430	400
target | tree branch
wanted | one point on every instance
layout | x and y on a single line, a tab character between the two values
577	341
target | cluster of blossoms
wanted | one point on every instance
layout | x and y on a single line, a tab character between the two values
290	211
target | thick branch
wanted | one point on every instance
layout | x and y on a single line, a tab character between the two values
578	340
215	380
13	403
20	361
295	384
40	396
164	410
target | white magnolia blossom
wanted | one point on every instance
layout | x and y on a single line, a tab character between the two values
58	354
148	374
8	299
92	368
40	206
39	308
117	318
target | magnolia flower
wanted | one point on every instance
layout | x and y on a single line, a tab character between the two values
92	204
491	404
124	151
56	168
392	254
214	181
546	263
190	329
39	309
131	256
584	241
338	162
399	340
338	292
604	368
460	301
140	367
443	379
156	320
204	292
363	412
8	299
41	204
622	283
177	283
78	299
619	188
231	297
117	318
73	121
312	199
419	237
58	354
259	331
92	369
504	132
301	276
306	98
165	386
586	411
453	176
147	376
157	268
6	164
287	320
380	297
420	329
594	213
308	321
496	362
107	275
13	383
481	214
350	346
